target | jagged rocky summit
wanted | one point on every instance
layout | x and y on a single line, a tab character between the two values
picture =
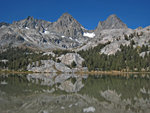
112	22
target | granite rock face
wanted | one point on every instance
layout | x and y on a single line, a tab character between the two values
48	66
70	57
31	23
68	26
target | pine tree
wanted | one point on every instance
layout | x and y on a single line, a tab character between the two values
73	64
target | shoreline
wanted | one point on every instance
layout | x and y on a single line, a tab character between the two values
124	73
80	72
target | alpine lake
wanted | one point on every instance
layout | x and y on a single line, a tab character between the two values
71	93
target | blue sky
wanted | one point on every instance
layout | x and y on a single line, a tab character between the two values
134	13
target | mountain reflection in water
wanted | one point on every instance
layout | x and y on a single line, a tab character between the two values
72	93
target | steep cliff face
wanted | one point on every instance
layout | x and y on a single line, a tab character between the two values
68	26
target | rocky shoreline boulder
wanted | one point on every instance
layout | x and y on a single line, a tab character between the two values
70	57
48	66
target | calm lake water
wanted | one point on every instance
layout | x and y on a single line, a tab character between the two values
51	93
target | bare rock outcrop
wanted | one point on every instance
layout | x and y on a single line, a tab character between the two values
70	57
112	22
68	26
48	66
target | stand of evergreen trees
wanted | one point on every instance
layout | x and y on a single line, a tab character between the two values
127	59
19	58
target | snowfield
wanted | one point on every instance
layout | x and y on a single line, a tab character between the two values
26	27
89	109
46	32
63	36
90	35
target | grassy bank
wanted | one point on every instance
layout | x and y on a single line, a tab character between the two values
81	72
111	73
16	72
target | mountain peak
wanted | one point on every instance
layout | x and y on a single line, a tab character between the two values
66	17
66	14
112	22
33	23
30	18
68	26
113	16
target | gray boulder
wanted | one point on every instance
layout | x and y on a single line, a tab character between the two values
47	66
70	57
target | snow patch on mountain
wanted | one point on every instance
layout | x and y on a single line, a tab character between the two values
27	28
46	32
70	38
90	35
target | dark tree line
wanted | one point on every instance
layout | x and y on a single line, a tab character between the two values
127	59
19	58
